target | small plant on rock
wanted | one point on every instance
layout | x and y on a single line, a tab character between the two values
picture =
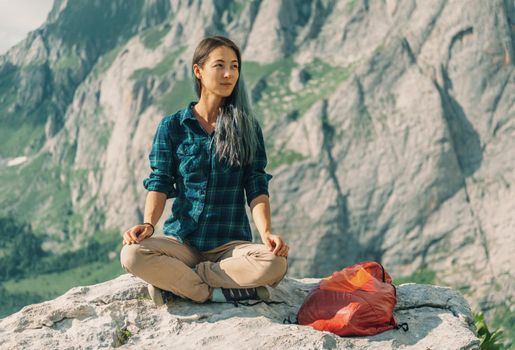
489	340
122	335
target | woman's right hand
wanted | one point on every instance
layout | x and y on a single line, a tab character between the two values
137	233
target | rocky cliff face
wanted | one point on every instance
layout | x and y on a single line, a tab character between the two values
389	125
118	313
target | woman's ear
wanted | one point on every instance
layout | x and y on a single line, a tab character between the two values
196	71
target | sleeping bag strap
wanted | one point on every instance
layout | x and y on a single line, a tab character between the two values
403	325
289	321
236	303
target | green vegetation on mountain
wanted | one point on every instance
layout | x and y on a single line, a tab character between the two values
91	23
284	157
38	190
422	276
106	60
88	34
164	67
153	36
273	98
31	275
19	132
177	97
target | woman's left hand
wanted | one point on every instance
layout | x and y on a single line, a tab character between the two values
276	244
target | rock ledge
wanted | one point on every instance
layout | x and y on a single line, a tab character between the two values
98	316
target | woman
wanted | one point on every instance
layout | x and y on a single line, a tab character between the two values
207	156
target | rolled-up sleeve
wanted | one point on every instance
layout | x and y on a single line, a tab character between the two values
161	178
256	179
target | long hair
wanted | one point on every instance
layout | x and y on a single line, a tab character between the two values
236	127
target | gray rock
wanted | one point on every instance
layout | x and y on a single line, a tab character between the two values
92	317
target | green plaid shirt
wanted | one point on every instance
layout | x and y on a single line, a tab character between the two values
209	206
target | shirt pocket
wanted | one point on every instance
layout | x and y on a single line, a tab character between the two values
189	157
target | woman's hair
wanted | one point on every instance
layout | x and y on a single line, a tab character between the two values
236	137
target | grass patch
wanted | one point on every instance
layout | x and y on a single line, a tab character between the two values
253	71
106	60
325	78
177	97
70	61
236	7
153	36
159	70
122	335
351	4
284	157
421	276
277	100
24	136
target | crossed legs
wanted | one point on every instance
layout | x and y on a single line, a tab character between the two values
167	264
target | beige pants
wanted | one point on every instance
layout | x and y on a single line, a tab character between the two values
166	263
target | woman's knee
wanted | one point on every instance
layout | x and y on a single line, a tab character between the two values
276	269
130	256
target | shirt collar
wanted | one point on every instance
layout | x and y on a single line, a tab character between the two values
187	113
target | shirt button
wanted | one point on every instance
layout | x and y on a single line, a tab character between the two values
203	192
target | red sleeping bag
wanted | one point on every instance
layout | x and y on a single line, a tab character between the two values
358	300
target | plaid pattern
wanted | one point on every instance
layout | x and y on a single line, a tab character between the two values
209	206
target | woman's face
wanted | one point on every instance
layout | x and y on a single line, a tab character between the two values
219	74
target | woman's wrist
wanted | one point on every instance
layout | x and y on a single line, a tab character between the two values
266	234
153	228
